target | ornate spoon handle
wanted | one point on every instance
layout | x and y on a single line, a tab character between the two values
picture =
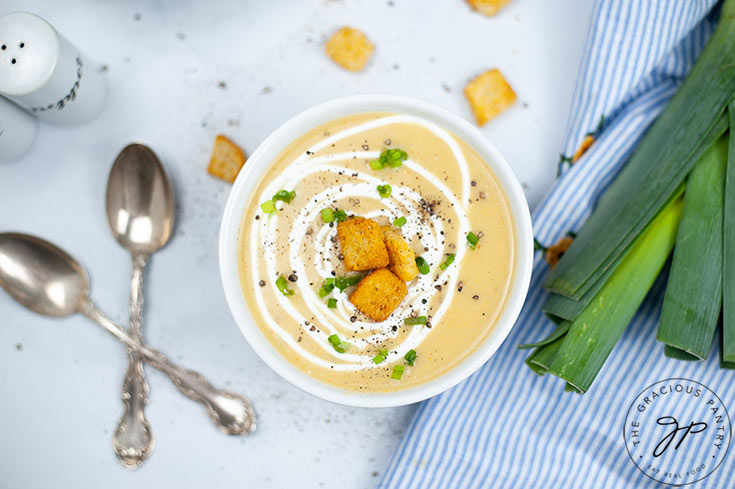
133	440
231	413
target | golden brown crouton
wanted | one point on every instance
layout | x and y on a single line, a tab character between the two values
378	294
488	7
349	48
489	95
362	244
555	252
402	257
588	140
227	159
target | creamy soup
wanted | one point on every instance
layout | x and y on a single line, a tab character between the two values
444	191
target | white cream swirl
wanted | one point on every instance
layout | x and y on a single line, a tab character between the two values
404	201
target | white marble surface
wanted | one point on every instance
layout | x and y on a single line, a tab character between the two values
179	73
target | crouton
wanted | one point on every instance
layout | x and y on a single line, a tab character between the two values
488	7
227	159
401	255
378	294
362	244
588	141
489	95
349	48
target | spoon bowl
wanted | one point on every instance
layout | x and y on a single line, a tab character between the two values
40	276
47	280
139	201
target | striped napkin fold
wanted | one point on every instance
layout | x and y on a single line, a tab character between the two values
506	427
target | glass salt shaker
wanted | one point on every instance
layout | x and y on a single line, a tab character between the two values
44	73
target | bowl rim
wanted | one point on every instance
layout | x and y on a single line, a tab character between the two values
261	159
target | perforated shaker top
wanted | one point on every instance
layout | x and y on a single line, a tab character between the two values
29	50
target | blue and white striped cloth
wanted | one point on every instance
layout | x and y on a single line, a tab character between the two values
506	427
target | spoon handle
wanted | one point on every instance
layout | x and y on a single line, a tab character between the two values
133	441
231	413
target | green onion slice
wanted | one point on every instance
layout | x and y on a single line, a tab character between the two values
282	285
284	196
340	215
423	266
384	191
413	321
326	288
332	303
327	215
397	372
410	356
379	358
376	165
472	240
448	261
390	157
400	221
343	282
338	345
269	207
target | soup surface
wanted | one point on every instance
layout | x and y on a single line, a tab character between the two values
443	190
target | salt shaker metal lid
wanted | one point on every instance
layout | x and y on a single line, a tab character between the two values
41	71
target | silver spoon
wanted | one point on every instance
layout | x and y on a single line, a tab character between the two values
46	280
140	212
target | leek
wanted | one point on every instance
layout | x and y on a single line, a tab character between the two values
592	336
694	292
728	255
692	121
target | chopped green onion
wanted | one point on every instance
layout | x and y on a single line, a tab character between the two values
448	261
472	240
384	191
268	207
282	285
343	282
423	266
340	215
413	321
410	357
284	195
400	221
390	157
397	372
326	288
379	358
338	345
384	353
395	157
332	303
327	215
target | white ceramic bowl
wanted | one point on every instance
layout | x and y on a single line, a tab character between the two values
257	165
